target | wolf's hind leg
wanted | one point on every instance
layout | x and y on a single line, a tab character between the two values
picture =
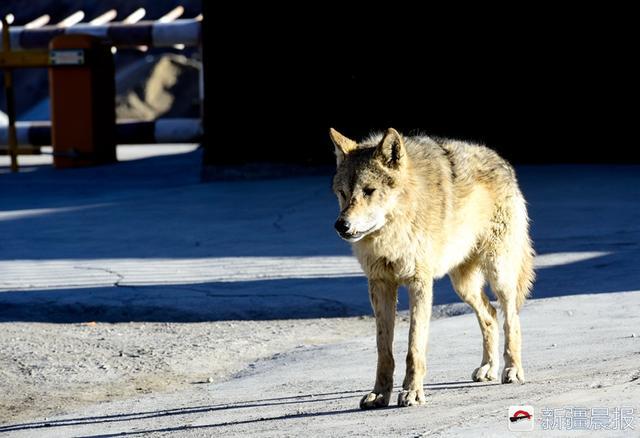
509	269
506	289
468	281
384	296
513	371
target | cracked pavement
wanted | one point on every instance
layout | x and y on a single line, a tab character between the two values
129	283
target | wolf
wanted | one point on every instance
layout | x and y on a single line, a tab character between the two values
415	208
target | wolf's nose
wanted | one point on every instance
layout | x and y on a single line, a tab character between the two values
342	226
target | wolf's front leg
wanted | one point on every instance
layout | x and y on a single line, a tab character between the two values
420	300
383	295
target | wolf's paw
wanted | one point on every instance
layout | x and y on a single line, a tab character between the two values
484	373
375	400
513	375
411	397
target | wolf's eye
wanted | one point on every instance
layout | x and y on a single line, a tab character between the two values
368	191
343	195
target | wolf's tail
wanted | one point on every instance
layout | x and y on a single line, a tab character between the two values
527	274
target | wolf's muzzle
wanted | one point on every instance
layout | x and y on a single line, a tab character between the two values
342	226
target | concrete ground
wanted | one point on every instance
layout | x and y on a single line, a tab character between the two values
136	300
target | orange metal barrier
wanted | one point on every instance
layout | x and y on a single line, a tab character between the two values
82	89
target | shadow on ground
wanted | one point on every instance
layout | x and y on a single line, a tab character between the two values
301	400
156	209
283	298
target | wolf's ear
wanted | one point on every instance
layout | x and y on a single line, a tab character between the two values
343	145
391	148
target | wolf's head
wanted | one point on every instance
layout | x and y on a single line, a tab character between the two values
367	182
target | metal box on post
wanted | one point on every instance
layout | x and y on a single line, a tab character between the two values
82	90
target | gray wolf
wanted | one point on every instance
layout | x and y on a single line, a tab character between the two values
415	208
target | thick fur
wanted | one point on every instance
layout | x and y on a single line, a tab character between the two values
418	208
